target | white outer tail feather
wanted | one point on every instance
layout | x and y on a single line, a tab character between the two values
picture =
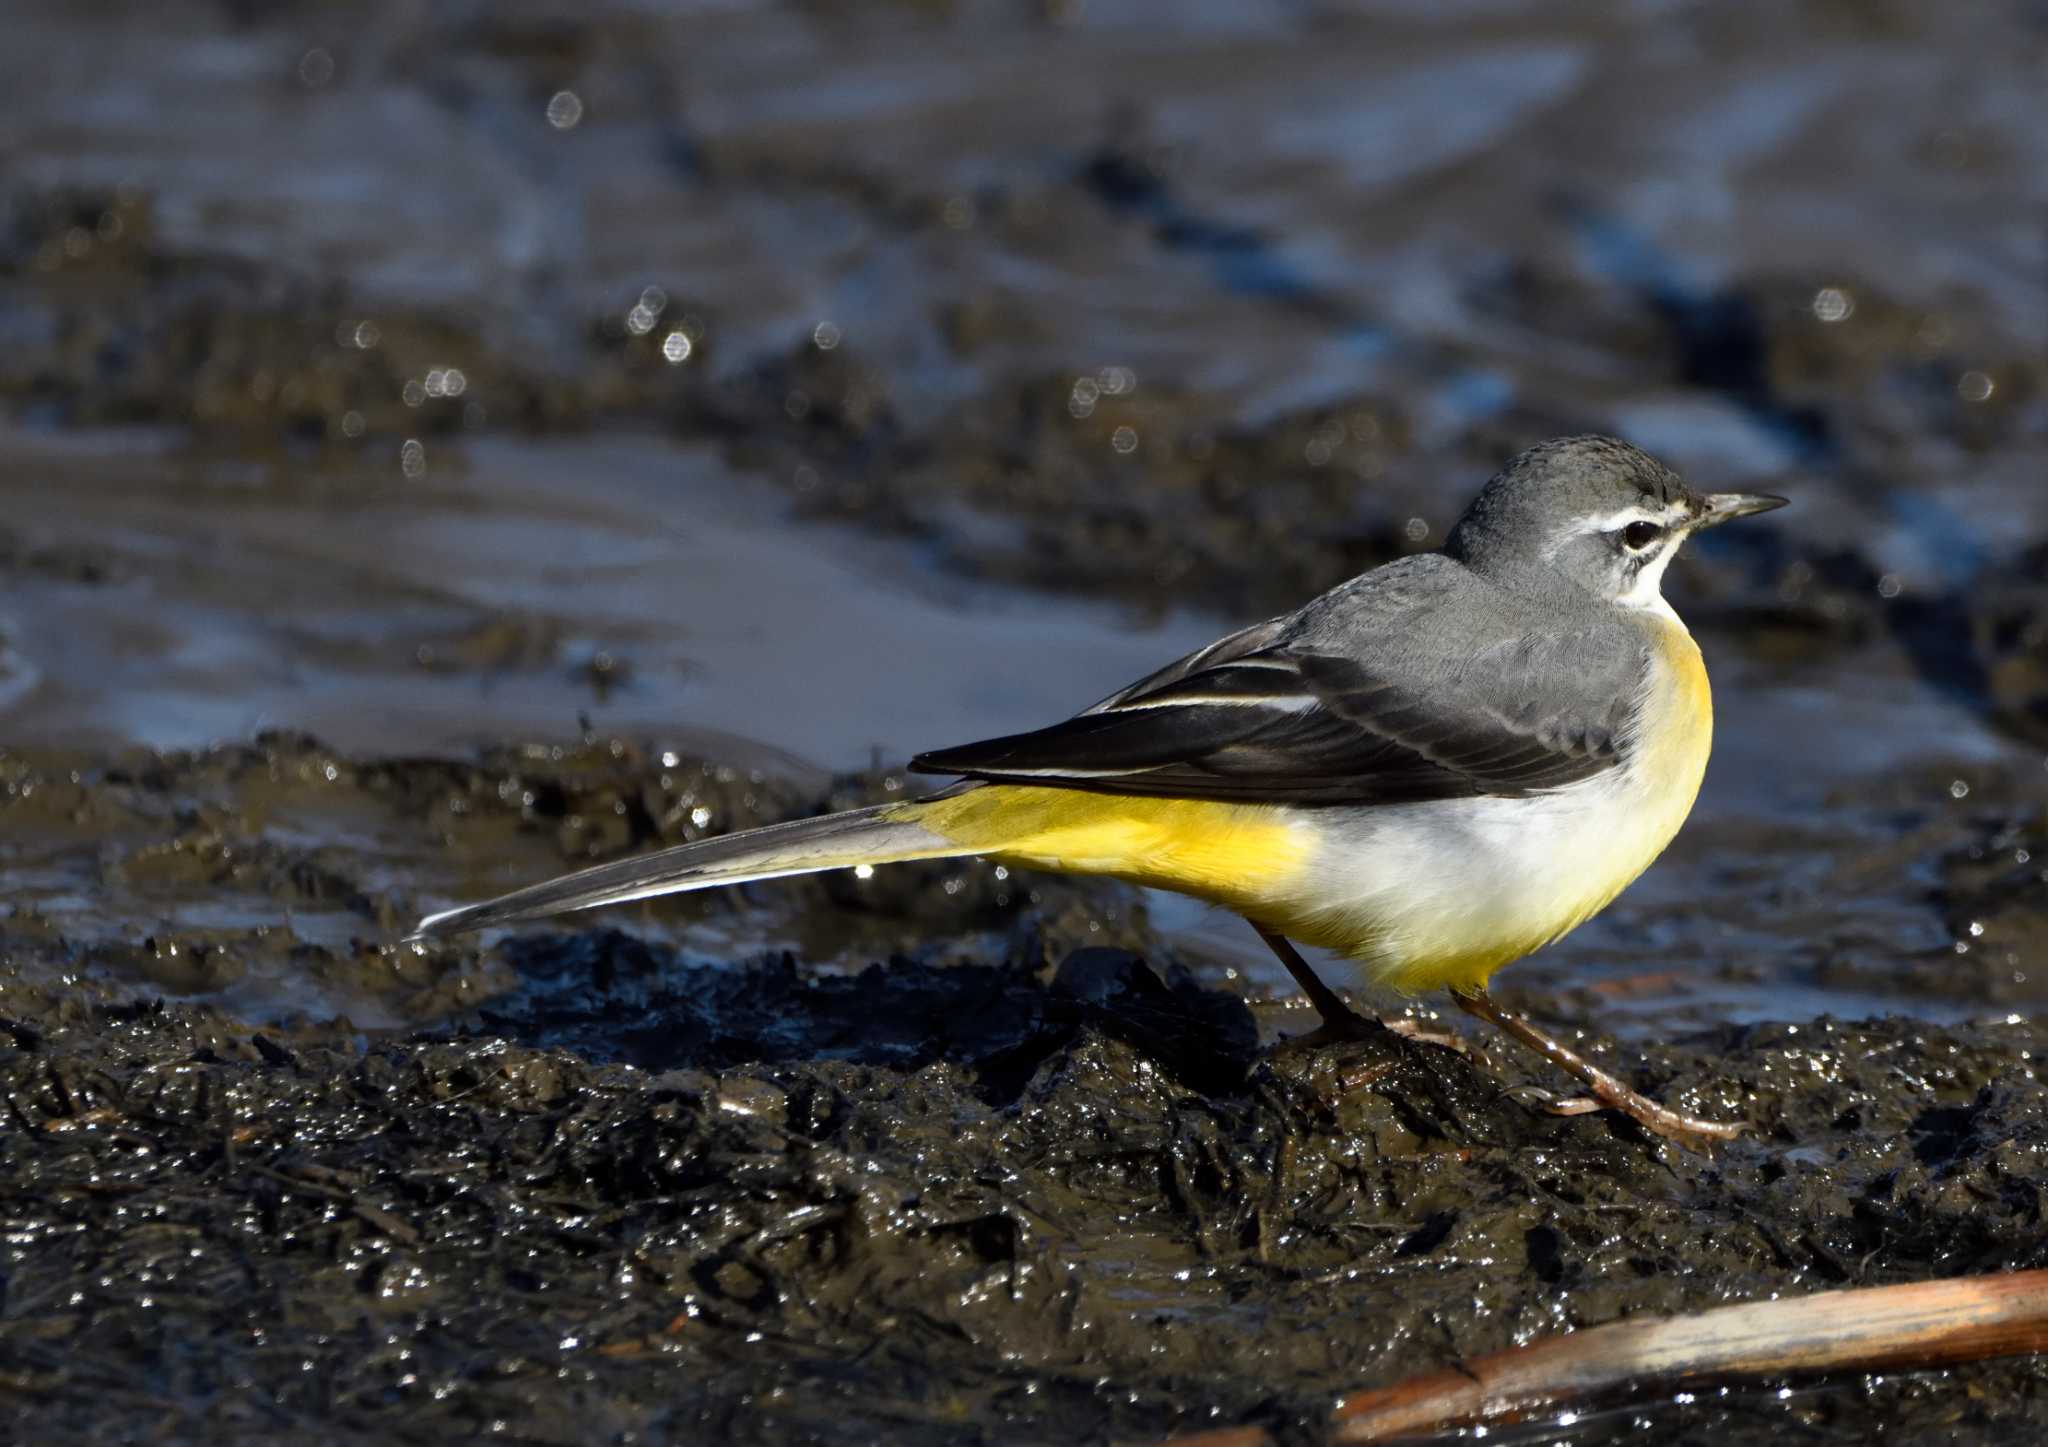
802	846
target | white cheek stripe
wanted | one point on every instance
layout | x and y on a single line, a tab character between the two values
1647	590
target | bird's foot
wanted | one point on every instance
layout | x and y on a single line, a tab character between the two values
1692	1131
1606	1091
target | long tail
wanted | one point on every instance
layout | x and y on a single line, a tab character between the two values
881	834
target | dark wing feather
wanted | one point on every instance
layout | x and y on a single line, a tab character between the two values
1258	718
1227	649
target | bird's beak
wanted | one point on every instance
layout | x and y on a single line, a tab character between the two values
1724	507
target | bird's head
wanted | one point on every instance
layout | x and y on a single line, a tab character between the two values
1592	511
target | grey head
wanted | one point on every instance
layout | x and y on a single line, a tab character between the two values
1591	512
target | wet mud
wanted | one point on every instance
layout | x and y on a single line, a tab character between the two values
1040	1188
444	448
1038	1205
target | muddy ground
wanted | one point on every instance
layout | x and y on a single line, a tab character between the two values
1040	1192
449	446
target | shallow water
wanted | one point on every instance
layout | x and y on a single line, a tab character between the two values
392	616
604	427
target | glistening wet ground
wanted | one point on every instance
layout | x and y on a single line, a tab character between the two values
450	446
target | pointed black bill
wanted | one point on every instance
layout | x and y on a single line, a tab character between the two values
1727	506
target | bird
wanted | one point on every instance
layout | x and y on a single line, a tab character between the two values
1432	770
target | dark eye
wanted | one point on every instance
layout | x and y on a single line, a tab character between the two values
1640	535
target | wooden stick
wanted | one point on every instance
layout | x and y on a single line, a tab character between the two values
1879	1328
1925	1324
1223	1437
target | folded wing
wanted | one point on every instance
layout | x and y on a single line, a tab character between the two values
1284	713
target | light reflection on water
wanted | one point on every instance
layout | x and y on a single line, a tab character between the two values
303	611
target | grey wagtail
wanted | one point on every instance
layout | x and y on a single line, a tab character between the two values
1432	770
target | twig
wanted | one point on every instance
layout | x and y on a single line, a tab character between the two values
1880	1328
1925	1324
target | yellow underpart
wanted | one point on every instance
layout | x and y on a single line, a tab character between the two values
1677	730
1239	855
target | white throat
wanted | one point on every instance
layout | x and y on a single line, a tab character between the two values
1647	590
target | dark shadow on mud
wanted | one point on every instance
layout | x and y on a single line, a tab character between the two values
610	997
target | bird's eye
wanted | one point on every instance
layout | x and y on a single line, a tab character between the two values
1640	535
